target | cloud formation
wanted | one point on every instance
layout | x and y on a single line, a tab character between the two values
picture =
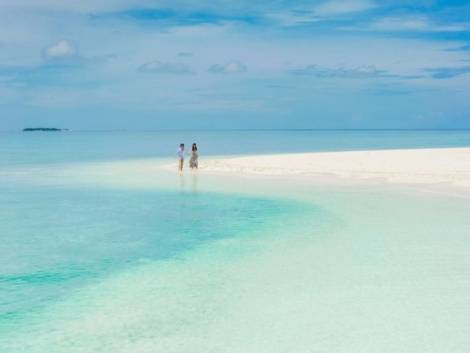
174	17
461	48
321	13
158	67
415	24
233	67
341	72
441	73
341	7
418	50
61	49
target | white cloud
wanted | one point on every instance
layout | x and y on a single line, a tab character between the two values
83	6
61	49
159	67
321	12
341	72
415	23
341	7
293	18
229	68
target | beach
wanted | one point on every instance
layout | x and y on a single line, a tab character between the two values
318	252
235	176
409	166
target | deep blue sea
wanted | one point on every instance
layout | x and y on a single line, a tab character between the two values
150	268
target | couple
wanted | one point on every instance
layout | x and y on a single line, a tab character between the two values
193	162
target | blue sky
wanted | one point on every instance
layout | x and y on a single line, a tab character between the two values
136	64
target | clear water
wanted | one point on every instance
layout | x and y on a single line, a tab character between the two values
53	147
202	264
54	239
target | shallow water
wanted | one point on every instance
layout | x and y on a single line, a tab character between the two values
104	257
56	239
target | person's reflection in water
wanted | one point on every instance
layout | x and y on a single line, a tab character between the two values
182	182
194	182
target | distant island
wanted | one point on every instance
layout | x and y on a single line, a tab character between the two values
43	129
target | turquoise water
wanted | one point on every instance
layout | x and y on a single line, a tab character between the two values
55	239
26	148
124	262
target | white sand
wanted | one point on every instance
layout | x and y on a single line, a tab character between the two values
427	166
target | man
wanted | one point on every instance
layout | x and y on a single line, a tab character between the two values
181	156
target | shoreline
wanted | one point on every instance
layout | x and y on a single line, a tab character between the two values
442	171
352	259
433	166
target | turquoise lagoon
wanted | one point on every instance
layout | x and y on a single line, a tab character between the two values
97	256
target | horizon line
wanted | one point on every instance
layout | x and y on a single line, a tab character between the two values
252	129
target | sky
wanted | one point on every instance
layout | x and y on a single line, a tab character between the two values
216	64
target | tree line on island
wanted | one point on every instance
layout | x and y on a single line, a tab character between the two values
27	129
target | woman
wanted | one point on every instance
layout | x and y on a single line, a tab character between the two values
193	163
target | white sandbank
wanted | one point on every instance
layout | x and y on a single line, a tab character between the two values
411	166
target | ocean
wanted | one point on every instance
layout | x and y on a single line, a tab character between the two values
97	257
18	148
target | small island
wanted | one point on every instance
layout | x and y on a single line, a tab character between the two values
43	129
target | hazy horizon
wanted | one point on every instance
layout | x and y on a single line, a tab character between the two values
65	129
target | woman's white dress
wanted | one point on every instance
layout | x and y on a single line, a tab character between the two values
193	163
